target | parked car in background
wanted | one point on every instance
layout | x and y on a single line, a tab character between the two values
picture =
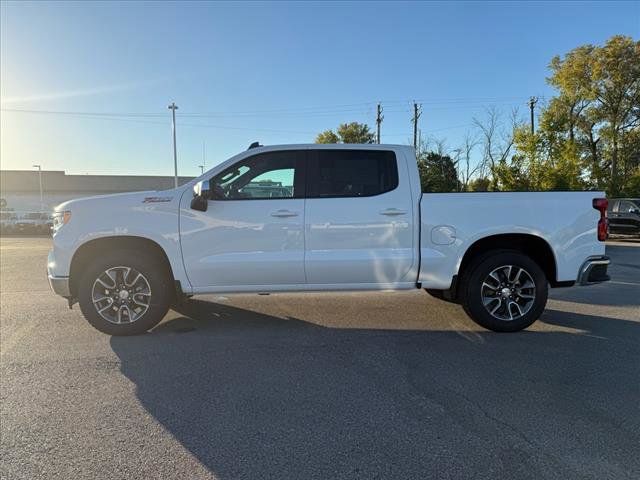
7	222
343	217
34	223
624	216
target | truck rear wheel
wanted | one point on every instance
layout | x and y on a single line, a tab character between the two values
504	291
124	292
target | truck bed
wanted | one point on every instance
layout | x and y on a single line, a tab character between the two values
452	222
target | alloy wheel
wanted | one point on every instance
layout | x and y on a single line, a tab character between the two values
121	295
508	292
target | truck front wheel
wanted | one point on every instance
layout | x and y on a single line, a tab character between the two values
504	291
124	292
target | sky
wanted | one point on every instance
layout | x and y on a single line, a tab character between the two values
92	80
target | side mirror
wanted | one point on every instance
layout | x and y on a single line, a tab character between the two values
634	210
201	194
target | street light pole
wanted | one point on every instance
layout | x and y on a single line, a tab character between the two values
39	167
173	107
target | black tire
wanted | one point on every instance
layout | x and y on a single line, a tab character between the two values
155	273
471	290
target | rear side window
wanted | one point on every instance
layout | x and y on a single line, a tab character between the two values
351	173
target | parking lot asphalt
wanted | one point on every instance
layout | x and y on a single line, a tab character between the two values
320	386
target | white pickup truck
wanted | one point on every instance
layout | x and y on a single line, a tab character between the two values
300	218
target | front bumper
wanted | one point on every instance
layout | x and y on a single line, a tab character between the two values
58	283
594	270
60	286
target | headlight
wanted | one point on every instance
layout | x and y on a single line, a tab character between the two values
60	218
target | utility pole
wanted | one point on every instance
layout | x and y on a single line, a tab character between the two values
173	107
201	169
39	167
379	118
457	151
532	104
417	111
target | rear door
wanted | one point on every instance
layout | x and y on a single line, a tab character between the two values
359	222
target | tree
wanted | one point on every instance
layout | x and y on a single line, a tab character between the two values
466	168
480	184
437	173
532	168
353	132
597	108
617	90
630	152
497	143
588	134
328	136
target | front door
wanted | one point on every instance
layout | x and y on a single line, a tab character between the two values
253	230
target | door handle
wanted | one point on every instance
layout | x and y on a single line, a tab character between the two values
392	211
284	213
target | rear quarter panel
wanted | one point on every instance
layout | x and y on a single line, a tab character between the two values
565	220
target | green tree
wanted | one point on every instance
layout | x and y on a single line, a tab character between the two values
596	115
480	184
538	165
632	186
437	173
328	136
630	152
353	132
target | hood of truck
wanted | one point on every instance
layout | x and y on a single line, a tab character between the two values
118	200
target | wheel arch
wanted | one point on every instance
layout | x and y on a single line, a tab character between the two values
535	247
88	250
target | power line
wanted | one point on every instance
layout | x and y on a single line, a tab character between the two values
365	107
431	131
317	110
113	117
267	130
95	114
110	117
146	117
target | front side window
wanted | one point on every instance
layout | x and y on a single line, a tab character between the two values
270	175
352	173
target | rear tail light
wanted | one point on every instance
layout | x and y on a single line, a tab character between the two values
601	205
